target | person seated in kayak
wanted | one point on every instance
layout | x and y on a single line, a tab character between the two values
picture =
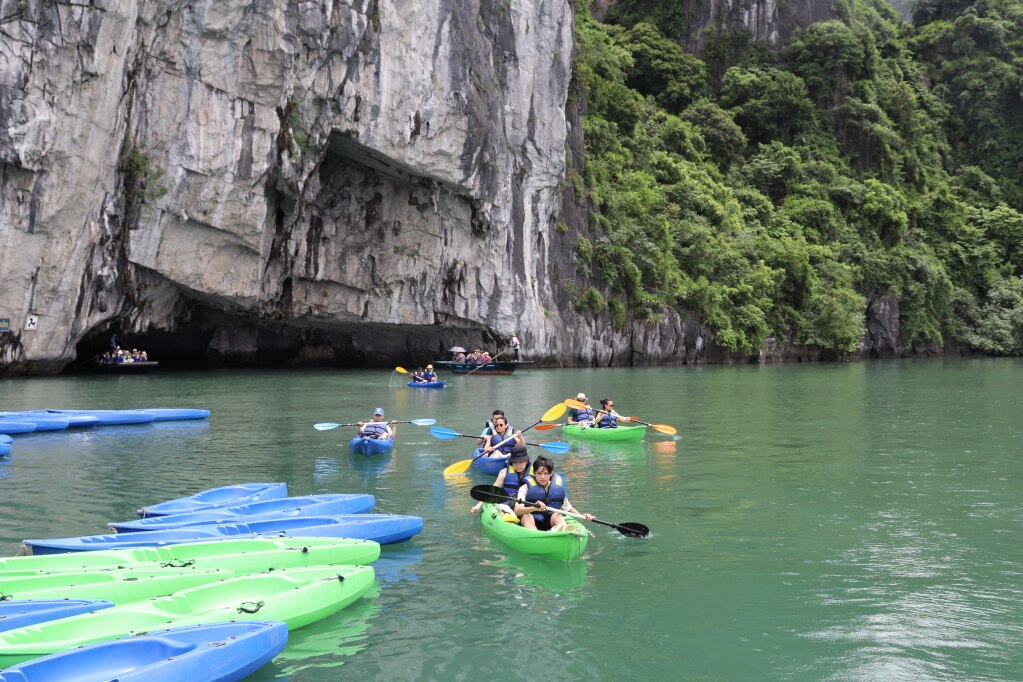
488	427
583	417
606	417
512	477
544	489
502	439
378	428
429	375
418	376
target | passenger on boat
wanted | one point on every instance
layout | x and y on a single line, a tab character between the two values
606	417
544	489
459	358
511	478
429	374
581	417
488	426
485	357
500	433
378	428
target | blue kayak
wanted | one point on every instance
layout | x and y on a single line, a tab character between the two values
18	614
371	446
75	421
214	652
244	493
426	384
10	426
110	417
4	438
39	422
488	464
311	505
5	449
177	414
382	528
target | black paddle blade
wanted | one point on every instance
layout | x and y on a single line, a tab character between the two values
488	493
633	530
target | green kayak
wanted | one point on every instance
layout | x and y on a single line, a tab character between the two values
239	556
120	586
630	433
562	545
296	596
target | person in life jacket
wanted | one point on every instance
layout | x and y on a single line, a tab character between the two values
606	417
488	427
429	374
419	376
502	439
582	417
378	428
541	496
512	477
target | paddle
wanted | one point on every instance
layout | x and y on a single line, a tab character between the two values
402	370
489	361
461	466
548	427
663	428
493	494
327	426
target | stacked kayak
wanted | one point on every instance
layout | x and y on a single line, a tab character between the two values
251	555
562	545
243	493
311	505
18	614
120	585
382	528
198	653
296	596
426	384
11	426
626	433
371	446
488	464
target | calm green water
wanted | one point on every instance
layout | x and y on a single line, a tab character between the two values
812	522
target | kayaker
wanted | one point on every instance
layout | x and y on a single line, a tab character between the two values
606	417
511	478
488	427
378	428
583	416
544	489
502	439
418	376
429	374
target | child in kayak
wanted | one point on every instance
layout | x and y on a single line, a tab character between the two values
545	490
378	428
512	477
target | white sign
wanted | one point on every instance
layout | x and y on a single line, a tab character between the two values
31	323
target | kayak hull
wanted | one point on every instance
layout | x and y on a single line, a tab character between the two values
297	597
310	505
245	493
249	555
9	427
371	446
488	464
223	652
18	614
562	545
427	384
620	433
119	586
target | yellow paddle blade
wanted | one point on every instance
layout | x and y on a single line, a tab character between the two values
458	467
664	428
554	413
574	404
401	370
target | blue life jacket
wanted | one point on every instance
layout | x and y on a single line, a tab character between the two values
375	430
584	415
512	483
497	438
429	375
553	496
608	421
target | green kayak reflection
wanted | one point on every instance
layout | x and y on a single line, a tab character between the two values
562	577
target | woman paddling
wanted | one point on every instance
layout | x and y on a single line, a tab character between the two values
606	417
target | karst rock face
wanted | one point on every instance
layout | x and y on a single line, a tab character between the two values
333	181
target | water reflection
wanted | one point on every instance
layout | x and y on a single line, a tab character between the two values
564	578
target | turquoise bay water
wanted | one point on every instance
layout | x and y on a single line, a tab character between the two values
811	522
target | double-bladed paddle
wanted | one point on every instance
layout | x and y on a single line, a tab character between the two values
461	466
327	426
663	428
493	494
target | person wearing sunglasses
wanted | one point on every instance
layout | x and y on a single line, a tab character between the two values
502	439
606	417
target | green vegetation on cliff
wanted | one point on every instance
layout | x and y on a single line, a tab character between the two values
782	193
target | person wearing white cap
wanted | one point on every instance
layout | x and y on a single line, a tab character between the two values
429	374
582	417
378	428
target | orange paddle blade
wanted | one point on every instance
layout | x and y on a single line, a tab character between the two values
547	427
664	428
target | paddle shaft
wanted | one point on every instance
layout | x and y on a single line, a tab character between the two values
491	360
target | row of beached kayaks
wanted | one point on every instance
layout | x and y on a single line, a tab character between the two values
273	563
33	421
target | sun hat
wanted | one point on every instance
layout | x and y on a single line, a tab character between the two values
518	454
581	396
429	367
379	411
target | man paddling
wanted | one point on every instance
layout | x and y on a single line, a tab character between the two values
378	428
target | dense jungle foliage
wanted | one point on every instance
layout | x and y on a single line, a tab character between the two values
780	193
